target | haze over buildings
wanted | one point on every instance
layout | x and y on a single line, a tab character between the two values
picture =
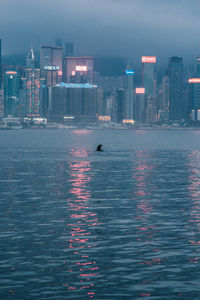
124	28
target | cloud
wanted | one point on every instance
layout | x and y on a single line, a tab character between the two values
128	28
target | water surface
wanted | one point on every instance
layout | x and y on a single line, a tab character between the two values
120	224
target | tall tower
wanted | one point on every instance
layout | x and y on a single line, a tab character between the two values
148	75
197	67
129	94
0	67
30	96
69	49
11	94
175	72
51	64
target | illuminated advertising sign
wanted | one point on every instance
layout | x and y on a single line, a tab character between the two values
81	68
128	121
104	118
194	80
149	59
77	85
11	72
130	72
51	68
140	90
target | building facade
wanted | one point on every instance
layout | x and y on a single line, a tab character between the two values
51	64
149	75
176	103
79	69
11	94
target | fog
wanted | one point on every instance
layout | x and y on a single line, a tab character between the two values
126	28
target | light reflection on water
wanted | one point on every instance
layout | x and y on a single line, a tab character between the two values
122	224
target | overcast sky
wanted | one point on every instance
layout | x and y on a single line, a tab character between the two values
127	28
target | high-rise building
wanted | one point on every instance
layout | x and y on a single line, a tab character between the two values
79	101
30	95
79	69
194	98
129	94
69	49
11	94
1	103
165	93
58	42
175	73
197	67
140	105
151	110
51	64
148	75
119	105
0	67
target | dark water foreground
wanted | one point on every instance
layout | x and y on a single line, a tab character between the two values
78	224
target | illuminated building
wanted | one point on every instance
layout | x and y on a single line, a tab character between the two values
175	73
0	67
140	105
11	94
129	93
30	94
79	69
77	100
194	98
148	75
51	64
69	49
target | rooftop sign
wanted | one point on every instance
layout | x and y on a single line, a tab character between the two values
194	80
130	72
81	68
77	85
51	68
149	59
140	90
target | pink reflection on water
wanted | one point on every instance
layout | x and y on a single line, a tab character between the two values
194	192
140	173
82	225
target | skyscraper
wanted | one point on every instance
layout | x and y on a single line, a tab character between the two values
30	94
51	64
140	105
194	98
79	69
69	49
129	94
197	67
0	67
176	103
11	94
148	75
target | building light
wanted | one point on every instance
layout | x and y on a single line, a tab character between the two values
81	68
128	121
149	59
140	90
130	72
104	118
194	80
77	85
